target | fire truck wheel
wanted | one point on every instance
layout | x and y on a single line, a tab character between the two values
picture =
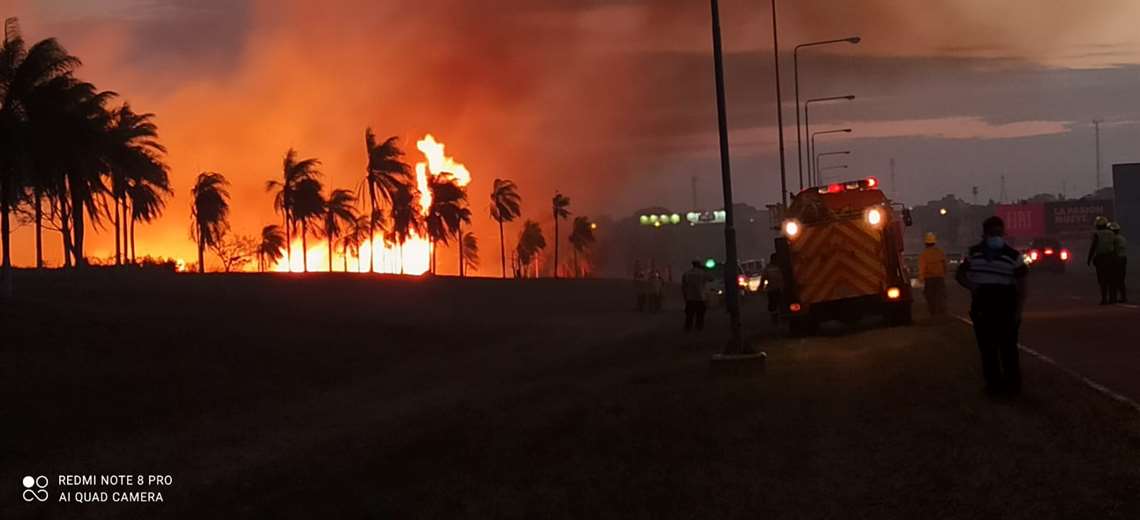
900	314
802	326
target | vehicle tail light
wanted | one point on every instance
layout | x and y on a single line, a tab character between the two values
1033	255
742	281
893	293
1064	254
795	307
1049	251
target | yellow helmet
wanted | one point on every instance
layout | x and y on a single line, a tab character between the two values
1101	222
1114	226
930	238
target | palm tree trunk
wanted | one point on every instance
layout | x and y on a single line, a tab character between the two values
201	250
556	244
134	252
304	247
118	235
344	256
39	227
372	228
65	230
459	241
503	249
5	237
433	244
77	228
288	242
330	241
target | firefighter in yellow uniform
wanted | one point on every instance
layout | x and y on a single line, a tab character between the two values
1102	256
932	272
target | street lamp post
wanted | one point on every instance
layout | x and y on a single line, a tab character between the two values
731	297
780	109
812	178
807	120
796	72
818	179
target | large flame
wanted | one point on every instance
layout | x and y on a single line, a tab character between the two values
414	256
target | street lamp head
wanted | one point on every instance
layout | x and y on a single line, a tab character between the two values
846	130
854	40
849	98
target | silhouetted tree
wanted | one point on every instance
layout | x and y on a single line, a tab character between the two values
338	212
234	252
293	173
134	157
468	253
359	231
209	213
447	211
559	206
386	173
531	243
581	238
406	218
506	206
24	74
272	246
308	207
147	203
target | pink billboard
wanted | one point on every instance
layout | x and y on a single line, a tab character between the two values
1023	220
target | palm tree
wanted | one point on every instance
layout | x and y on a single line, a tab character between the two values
447	211
293	173
339	208
359	231
23	73
308	206
272	246
406	218
468	253
134	156
506	206
581	237
559	204
385	174
209	213
146	202
531	243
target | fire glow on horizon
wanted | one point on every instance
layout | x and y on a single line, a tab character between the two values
414	256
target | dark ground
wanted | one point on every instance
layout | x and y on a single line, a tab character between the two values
347	397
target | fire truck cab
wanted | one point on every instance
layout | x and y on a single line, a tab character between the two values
841	253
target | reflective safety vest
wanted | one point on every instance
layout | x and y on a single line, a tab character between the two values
932	263
986	267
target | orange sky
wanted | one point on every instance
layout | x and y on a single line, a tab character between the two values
609	102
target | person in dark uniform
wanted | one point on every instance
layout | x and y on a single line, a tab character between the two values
995	275
693	289
1102	256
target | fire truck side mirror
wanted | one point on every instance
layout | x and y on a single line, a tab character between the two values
907	219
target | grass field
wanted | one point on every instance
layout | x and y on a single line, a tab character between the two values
278	396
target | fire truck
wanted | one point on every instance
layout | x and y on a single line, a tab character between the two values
841	252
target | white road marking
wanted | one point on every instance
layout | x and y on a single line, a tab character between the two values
1128	306
1103	390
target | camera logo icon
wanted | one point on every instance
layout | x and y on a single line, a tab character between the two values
35	489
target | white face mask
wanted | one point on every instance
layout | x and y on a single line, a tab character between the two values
995	242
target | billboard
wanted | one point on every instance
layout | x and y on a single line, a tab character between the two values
1126	185
1022	220
1071	217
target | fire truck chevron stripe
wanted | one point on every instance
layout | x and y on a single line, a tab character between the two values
837	261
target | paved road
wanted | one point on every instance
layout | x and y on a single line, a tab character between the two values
1064	321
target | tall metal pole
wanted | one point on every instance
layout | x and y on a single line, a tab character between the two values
731	296
779	108
1096	126
799	132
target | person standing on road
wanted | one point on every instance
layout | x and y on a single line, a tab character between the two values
1102	256
995	275
693	289
773	282
1120	248
932	272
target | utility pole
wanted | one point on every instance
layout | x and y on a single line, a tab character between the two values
1096	130
974	191
1002	197
779	111
1064	189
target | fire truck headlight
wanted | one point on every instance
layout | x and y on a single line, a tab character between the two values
874	216
791	228
893	293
